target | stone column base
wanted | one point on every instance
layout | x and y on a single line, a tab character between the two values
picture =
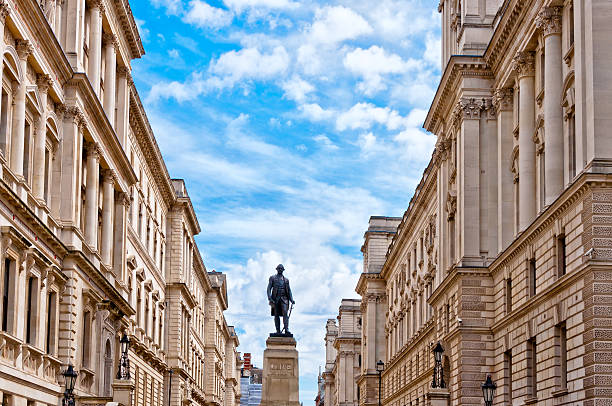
280	383
438	397
122	393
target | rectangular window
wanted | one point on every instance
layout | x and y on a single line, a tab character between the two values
86	338
532	277
508	375
30	309
571	122
51	323
561	337
508	295
532	366
5	294
26	152
560	253
571	24
4	127
47	175
542	180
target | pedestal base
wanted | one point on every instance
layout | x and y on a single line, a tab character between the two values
280	384
122	392
438	397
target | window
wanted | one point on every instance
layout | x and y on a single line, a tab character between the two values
532	367
146	316
532	277
153	335
571	24
138	306
542	179
447	318
47	175
8	295
508	295
86	339
4	118
571	121
561	338
508	375
560	254
51	322
26	152
31	310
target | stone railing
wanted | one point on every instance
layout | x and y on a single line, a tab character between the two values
10	348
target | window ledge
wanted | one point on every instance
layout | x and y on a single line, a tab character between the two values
530	400
560	392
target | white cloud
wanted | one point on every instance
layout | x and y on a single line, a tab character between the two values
296	88
432	52
314	112
325	141
336	24
202	15
367	143
173	7
249	63
372	63
364	115
240	5
144	32
174	53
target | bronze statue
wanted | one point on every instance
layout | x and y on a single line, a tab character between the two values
279	296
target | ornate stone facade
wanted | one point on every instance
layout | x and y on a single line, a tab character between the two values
96	239
503	255
343	355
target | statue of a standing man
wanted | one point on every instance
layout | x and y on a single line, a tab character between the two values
279	296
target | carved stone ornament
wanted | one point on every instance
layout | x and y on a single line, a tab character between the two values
4	11
451	206
24	48
93	150
43	81
109	176
524	63
75	114
503	98
549	20
123	199
470	108
108	38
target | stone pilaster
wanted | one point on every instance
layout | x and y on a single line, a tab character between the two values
524	64
38	178
503	102
95	44
24	49
91	195
108	201
110	55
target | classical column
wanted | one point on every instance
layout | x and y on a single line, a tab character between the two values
91	195
110	56
468	110
4	11
108	201
502	100
71	144
549	21
95	44
122	204
524	64
38	180
24	49
123	103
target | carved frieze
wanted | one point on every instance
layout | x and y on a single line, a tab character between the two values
503	99
524	63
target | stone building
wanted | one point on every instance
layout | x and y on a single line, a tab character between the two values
96	239
343	356
503	255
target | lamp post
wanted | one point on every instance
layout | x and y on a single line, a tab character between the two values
488	391
124	363
380	367
70	377
170	388
438	375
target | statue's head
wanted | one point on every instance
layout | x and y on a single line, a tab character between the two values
280	268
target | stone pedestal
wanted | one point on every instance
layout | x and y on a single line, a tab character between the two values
122	393
438	397
280	385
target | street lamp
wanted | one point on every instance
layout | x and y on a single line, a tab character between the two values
488	391
380	367
124	363
438	376
70	377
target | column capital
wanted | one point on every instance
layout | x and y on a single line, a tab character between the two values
97	4
503	98
123	199
109	176
24	48
4	11
468	108
93	150
108	39
44	81
124	71
73	113
524	63
549	20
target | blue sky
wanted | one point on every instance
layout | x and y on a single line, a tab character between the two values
291	122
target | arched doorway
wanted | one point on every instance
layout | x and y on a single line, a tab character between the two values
108	368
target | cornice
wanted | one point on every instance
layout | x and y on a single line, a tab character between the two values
417	207
150	149
129	27
363	278
182	288
458	66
